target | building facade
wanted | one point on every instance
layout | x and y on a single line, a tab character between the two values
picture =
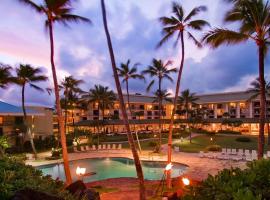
235	106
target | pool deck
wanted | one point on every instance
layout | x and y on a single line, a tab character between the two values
198	168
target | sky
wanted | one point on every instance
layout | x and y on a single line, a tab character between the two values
81	49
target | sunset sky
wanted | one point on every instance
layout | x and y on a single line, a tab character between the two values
81	50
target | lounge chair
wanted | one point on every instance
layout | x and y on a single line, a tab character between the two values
119	146
229	151
240	152
247	152
234	152
223	157
94	147
254	152
176	149
268	154
87	148
82	148
265	156
99	147
75	149
201	154
113	146
108	146
104	146
223	151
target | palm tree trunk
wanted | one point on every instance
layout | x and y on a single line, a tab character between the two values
159	113
122	106
58	110
139	145
28	132
169	160
262	103
66	112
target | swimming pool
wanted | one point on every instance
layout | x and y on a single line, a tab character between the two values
112	168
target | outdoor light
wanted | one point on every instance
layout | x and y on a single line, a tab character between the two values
80	171
211	139
168	167
186	181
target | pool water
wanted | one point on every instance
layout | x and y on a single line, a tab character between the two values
112	168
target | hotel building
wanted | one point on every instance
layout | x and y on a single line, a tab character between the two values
235	106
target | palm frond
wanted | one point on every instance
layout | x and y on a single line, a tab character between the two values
165	39
218	36
198	24
196	42
194	12
150	85
36	87
33	5
66	18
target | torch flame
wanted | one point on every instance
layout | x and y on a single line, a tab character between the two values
168	167
186	181
80	171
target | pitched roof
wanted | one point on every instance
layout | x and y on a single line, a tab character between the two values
11	110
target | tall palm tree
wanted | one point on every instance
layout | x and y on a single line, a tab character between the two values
122	106
5	75
161	96
127	73
253	17
28	75
255	90
180	24
187	100
57	11
160	71
71	88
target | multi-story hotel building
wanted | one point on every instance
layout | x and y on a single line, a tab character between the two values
236	105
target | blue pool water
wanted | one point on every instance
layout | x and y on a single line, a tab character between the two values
112	168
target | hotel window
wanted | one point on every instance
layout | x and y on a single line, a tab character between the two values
1	120
232	105
149	113
116	106
155	107
18	120
142	107
219	106
96	112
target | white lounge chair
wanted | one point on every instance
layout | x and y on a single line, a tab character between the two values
104	146
94	147
265	156
201	154
223	157
268	154
99	147
108	146
119	146
229	151
254	152
223	151
82	148
248	157
234	152
247	152
176	149
87	148
113	146
240	152
75	149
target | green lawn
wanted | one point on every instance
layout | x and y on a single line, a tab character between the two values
201	142
145	145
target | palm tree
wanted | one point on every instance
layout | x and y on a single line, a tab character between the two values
28	75
161	96
127	73
57	11
180	24
160	71
255	90
253	17
5	75
122	106
103	97
70	85
187	100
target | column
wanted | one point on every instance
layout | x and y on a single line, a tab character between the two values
250	110
215	111
237	110
226	108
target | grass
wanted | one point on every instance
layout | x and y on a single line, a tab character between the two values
201	142
145	145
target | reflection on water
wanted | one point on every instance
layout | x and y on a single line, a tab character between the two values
112	168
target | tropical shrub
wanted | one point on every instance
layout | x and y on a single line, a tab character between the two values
229	132
243	139
252	183
3	145
152	144
213	148
15	175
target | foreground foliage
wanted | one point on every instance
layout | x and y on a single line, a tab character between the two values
252	183
15	175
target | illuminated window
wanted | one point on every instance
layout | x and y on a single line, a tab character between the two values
1	120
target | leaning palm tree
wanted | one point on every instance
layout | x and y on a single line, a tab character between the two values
122	106
160	71
57	11
28	75
187	100
5	75
71	88
161	96
127	73
180	24
254	18
255	90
